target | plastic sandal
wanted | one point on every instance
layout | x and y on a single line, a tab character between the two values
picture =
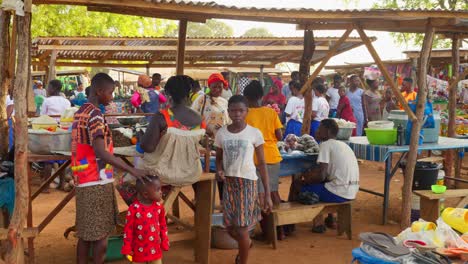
385	243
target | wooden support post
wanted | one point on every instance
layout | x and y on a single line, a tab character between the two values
325	60
52	73
414	140
148	70
385	72
304	71
414	67
204	208
181	47
262	77
5	18
22	83
306	86
452	104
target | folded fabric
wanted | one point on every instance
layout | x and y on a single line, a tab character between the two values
7	194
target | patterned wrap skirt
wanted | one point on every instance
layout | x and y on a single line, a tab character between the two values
96	211
240	202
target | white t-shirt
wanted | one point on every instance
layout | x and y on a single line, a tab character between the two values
295	108
42	92
9	101
343	169
238	151
320	105
332	92
54	105
82	92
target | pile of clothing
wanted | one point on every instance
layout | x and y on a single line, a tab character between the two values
422	243
293	144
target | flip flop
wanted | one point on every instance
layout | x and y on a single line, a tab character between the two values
384	243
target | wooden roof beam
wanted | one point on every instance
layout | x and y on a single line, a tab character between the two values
174	48
231	39
140	65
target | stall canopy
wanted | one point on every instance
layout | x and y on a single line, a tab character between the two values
439	56
162	52
393	20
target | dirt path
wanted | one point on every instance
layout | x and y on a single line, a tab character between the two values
303	247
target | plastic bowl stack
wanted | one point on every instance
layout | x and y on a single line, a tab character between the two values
381	133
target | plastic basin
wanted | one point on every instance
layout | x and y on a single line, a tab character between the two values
438	188
381	136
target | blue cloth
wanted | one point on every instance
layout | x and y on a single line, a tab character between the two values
7	194
153	105
290	165
314	125
355	98
293	127
324	195
332	113
363	150
364	258
11	138
286	91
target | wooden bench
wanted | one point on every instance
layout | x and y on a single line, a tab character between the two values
295	213
430	202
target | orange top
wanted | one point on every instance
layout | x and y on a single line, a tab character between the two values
408	97
267	121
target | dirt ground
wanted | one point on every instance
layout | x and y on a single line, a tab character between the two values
302	247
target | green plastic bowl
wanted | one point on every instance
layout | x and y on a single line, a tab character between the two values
438	188
381	136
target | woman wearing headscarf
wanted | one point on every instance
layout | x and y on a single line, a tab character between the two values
146	98
212	107
275	96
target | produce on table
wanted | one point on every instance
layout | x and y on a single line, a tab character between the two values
305	143
44	122
344	124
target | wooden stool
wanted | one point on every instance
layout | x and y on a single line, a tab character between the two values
294	213
430	202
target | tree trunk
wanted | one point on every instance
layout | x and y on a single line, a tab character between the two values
22	84
180	62
5	78
421	103
452	104
304	71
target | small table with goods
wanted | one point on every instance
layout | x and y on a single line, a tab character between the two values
384	153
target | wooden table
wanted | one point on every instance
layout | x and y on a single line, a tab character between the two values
203	207
430	202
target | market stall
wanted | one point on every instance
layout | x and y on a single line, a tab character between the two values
420	21
382	153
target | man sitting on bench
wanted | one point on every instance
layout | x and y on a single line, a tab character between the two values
338	180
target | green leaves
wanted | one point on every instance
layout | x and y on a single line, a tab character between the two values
417	39
60	20
257	32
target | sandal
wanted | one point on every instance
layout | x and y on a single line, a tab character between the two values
320	229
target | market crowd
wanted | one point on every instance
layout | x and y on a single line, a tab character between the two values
244	128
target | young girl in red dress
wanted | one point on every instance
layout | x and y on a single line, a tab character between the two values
145	233
344	110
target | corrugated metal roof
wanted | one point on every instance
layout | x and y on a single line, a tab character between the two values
203	51
216	5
